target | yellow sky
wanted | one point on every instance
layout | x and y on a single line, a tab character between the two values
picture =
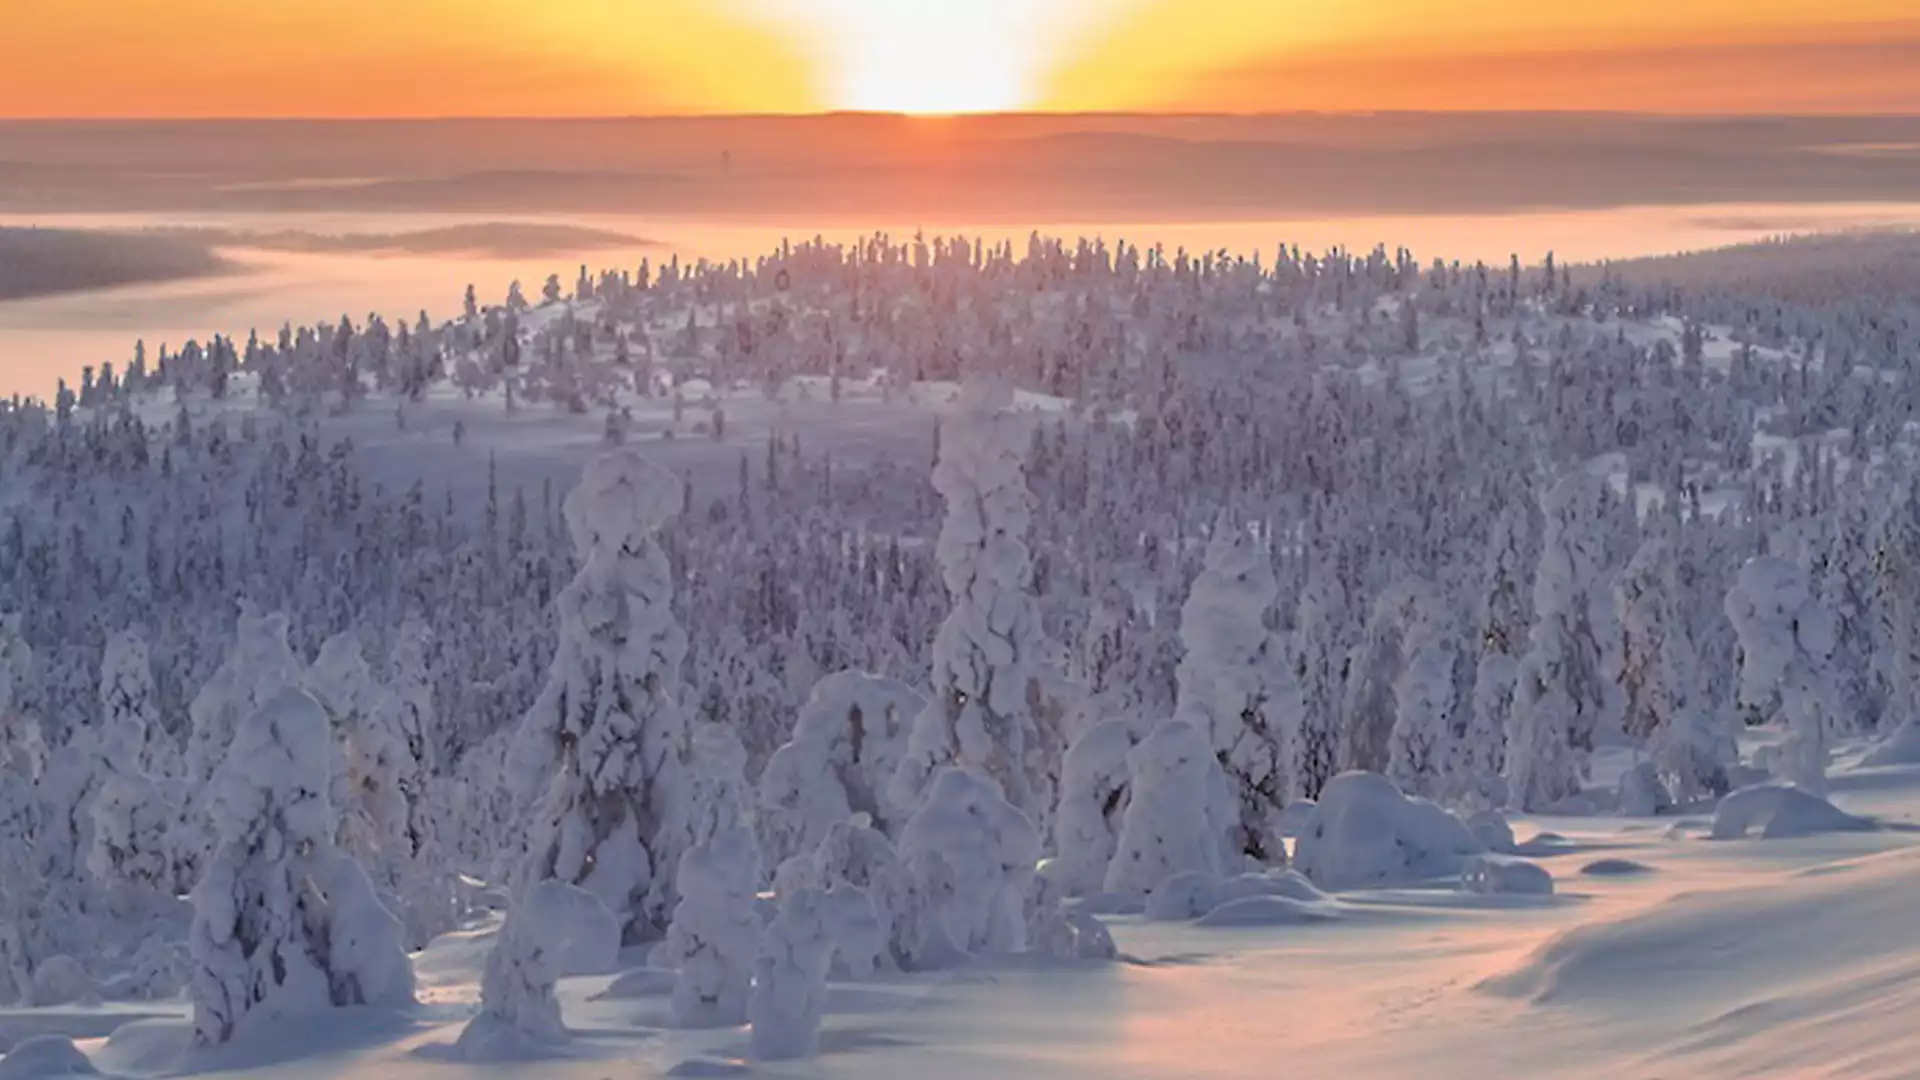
623	57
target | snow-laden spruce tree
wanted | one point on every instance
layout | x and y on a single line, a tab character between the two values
845	747
1174	818
1786	645
340	680
606	739
790	979
1406	607
993	665
969	855
1690	752
854	856
1095	782
132	740
260	665
1420	744
1320	668
283	923
1479	757
711	942
518	1011
1235	686
1559	691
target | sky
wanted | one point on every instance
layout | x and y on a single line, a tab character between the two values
360	58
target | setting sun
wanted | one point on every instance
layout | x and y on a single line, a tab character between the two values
933	56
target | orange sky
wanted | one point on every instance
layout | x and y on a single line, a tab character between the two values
624	57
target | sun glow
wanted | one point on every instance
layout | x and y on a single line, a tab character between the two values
933	56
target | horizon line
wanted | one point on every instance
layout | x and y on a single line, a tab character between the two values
1014	114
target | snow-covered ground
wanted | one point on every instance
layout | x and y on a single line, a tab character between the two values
1660	953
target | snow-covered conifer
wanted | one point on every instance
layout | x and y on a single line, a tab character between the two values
1560	692
790	979
1786	643
1234	684
518	1010
992	707
842	754
969	855
283	925
1171	825
1094	785
606	739
711	942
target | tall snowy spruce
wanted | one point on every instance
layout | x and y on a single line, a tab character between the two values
1560	692
1786	647
1235	686
1690	751
606	739
284	924
993	707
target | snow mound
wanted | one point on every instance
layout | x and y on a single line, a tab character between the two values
1267	911
1493	875
60	980
1490	827
705	1067
1809	938
1367	833
639	983
1186	895
1615	868
1779	812
45	1057
1900	748
1193	896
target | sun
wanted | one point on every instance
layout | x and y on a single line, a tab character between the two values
930	56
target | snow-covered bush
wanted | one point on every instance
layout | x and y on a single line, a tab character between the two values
845	747
1171	825
283	925
606	740
1234	684
518	1012
969	855
1094	785
790	978
1786	644
711	941
1367	833
993	706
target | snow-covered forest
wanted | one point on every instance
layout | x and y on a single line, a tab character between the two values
864	612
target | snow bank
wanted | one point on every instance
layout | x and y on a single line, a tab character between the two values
1190	896
1267	911
1495	875
45	1057
1779	812
1368	834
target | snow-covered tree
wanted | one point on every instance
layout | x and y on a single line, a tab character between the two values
1234	684
993	706
1560	692
283	924
1418	749
260	665
711	942
132	740
845	747
790	979
606	738
1786	645
1173	821
518	1010
969	854
1664	705
855	856
1094	786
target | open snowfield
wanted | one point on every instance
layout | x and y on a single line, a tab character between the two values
1661	953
